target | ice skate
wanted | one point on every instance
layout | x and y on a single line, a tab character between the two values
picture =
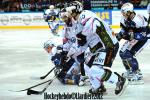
137	79
83	80
128	74
121	84
101	90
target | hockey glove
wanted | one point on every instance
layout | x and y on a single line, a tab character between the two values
57	62
81	39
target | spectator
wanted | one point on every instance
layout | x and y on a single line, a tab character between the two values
14	6
25	5
143	4
120	3
32	5
87	4
39	5
5	4
109	7
46	4
1	9
136	3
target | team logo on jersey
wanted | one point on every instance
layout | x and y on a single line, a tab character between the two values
83	16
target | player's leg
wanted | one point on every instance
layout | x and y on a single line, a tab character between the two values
136	49
130	63
129	60
99	73
83	77
65	67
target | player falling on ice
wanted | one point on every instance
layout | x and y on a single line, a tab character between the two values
96	35
57	56
134	30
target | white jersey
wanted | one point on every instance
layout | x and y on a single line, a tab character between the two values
70	35
137	22
90	21
148	8
137	25
51	12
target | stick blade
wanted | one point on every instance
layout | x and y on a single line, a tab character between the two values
42	77
29	92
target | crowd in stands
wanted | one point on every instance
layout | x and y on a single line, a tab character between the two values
40	5
136	3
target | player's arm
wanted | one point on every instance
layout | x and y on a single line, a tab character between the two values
123	34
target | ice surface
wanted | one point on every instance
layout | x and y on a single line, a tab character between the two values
22	56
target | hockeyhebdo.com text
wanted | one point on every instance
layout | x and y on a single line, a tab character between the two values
72	96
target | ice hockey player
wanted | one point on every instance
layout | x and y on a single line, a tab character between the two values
51	16
70	29
96	35
134	30
58	57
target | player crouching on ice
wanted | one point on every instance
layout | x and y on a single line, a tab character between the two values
63	72
134	30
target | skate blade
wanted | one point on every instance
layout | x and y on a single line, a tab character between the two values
85	83
136	82
124	87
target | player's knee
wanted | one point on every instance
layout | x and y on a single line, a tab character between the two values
135	64
106	74
125	55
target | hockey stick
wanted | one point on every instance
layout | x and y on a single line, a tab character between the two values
31	86
43	77
29	91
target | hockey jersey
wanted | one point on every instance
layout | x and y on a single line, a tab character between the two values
97	31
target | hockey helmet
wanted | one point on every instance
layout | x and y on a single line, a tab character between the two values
127	7
48	43
75	7
51	7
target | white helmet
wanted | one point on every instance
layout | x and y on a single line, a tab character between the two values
51	7
48	43
127	7
75	6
